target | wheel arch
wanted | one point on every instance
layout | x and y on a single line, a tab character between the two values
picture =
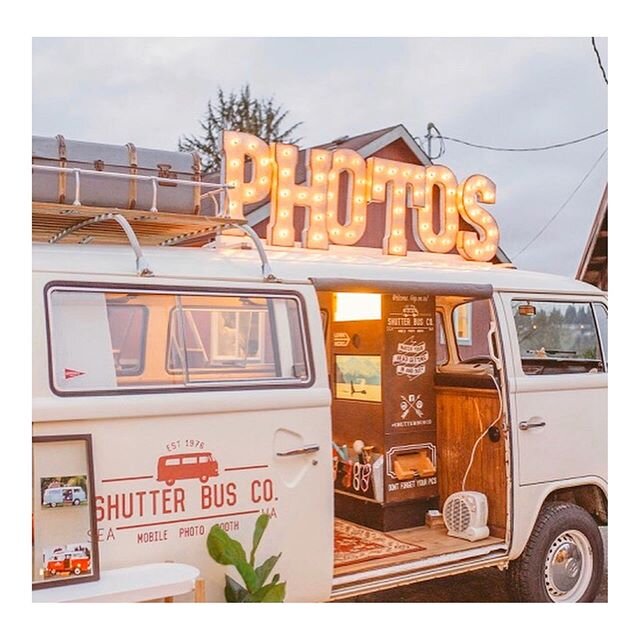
590	493
588	496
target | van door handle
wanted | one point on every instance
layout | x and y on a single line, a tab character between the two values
307	448
533	423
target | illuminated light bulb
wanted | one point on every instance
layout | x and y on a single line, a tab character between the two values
446	176
330	196
451	192
235	163
318	197
482	182
283	233
478	252
468	200
234	183
265	161
486	219
399	191
355	161
359	199
235	141
451	209
378	187
317	237
249	192
339	159
302	195
407	173
286	152
452	227
317	217
361	181
417	193
284	193
264	180
396	232
358	219
490	248
492	233
425	226
320	177
393	171
320	158
427	207
431	241
398	210
252	145
396	249
419	176
286	173
444	241
350	234
335	232
489	196
431	174
284	213
233	205
475	212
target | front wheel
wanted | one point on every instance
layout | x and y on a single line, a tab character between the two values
563	560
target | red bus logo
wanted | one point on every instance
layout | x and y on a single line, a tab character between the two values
182	466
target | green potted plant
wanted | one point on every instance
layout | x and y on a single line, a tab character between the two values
227	551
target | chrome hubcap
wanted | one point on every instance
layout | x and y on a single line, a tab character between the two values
568	567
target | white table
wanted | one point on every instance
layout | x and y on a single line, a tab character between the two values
130	584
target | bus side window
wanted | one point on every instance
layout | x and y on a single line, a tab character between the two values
128	340
602	318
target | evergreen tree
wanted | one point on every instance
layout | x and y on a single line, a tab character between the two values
237	112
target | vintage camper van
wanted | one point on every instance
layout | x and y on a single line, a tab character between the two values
55	496
399	417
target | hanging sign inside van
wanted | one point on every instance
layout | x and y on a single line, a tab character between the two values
257	170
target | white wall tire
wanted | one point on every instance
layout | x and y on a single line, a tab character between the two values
563	560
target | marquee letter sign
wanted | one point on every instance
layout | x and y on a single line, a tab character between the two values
256	170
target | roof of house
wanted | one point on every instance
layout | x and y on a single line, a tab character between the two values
593	267
366	144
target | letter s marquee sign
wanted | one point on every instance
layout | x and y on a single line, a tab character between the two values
400	185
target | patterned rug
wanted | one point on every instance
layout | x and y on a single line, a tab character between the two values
353	543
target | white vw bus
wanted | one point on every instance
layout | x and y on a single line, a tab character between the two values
400	418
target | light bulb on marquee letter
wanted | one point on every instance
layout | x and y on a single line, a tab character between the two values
355	167
312	196
482	244
236	146
445	240
393	177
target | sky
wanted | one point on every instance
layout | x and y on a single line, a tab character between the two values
506	92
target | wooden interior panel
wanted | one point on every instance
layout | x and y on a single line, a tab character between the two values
458	427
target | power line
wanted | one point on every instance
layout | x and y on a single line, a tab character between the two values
564	204
545	148
604	75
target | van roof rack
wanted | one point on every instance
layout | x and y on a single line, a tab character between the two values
55	222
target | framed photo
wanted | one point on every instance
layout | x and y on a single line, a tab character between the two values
359	378
63	513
